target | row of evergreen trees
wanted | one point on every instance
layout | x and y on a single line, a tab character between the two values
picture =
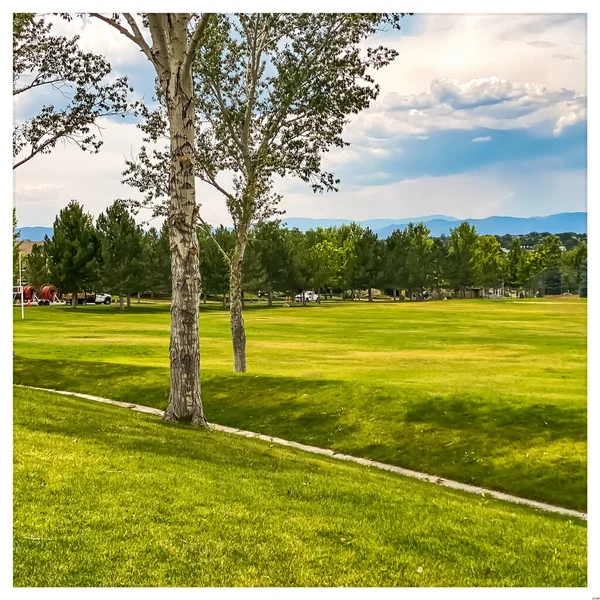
116	255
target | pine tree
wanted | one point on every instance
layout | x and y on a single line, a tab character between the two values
122	251
73	250
37	267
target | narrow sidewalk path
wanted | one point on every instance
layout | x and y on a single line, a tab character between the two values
449	483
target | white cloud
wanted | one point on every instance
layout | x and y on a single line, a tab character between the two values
101	38
47	183
488	71
576	112
480	194
467	47
487	138
488	102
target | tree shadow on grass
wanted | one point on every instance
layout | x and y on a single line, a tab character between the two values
485	441
509	421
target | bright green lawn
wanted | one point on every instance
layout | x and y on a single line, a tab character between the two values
486	392
108	497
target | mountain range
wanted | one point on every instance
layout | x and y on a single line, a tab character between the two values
575	222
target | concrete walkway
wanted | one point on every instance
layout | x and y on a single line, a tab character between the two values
449	483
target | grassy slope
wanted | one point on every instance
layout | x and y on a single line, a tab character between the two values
491	393
116	498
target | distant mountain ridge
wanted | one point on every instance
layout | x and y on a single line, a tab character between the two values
575	222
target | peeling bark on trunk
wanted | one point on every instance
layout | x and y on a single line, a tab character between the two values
185	402
236	317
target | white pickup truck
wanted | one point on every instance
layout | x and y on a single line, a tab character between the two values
308	297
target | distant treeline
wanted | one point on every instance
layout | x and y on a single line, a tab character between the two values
116	255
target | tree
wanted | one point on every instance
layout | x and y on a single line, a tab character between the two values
73	250
273	93
366	265
439	264
157	274
323	259
37	267
175	40
395	262
546	256
418	257
44	60
346	237
488	260
574	264
269	239
300	265
121	250
513	261
461	254
16	245
216	247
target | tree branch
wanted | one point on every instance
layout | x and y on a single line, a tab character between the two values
214	239
139	40
195	42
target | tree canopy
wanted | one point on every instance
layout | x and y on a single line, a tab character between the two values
82	90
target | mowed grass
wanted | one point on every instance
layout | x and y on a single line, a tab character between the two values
491	393
109	497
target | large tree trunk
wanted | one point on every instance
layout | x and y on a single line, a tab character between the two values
74	301
185	403
370	295
236	317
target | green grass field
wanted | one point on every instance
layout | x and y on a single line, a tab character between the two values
486	392
108	497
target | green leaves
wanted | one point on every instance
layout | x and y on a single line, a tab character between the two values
123	259
36	265
44	60
73	250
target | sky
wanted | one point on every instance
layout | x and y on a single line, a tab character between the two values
479	115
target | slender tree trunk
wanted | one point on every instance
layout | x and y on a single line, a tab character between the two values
121	305
185	403
128	300
270	297
238	333
74	301
151	295
138	295
370	295
225	300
